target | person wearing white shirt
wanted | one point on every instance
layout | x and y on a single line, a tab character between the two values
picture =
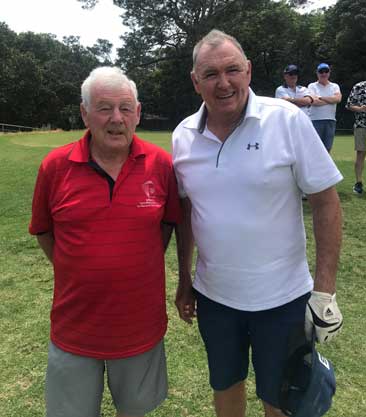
293	93
241	163
325	95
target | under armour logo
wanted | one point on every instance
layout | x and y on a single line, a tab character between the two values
255	146
323	360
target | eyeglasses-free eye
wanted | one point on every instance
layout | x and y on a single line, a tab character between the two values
323	71
293	73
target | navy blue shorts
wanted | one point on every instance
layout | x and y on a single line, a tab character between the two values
229	333
326	130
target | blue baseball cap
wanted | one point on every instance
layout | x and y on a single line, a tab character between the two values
321	66
309	382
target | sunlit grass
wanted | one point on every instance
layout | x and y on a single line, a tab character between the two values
26	285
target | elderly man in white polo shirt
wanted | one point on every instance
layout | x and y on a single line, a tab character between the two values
292	92
242	162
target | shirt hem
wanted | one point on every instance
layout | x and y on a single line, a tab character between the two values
104	355
257	307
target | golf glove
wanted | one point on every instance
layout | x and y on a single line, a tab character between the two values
323	314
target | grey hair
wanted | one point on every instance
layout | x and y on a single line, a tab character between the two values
214	39
108	76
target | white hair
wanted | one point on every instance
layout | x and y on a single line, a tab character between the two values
108	76
214	39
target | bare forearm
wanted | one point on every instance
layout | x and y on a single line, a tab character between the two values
327	225
357	109
303	101
185	242
331	99
166	231
46	241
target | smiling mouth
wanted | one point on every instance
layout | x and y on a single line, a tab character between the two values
224	97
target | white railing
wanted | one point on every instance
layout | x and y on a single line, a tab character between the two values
6	127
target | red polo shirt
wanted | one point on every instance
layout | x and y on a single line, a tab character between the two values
109	292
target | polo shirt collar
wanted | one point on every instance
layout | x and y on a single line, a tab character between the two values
137	147
80	151
198	120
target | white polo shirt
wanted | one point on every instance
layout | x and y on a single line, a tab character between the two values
298	92
328	111
246	202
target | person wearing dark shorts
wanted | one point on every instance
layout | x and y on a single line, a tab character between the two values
242	162
228	335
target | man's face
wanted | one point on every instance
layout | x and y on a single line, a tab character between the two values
222	76
291	78
112	116
323	75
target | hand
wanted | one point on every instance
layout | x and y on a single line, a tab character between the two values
318	101
185	302
323	314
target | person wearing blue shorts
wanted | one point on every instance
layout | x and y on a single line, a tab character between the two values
242	163
325	96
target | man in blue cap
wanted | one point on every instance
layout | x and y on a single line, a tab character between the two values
325	95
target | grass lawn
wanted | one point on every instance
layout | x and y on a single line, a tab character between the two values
26	292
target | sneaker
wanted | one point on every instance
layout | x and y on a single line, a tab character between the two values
358	188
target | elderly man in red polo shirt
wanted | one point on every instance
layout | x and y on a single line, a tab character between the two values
103	211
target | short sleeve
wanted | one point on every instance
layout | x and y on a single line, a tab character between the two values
280	93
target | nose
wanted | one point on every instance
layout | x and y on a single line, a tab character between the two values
116	115
223	81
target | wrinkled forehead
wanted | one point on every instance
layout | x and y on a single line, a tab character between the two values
112	91
224	53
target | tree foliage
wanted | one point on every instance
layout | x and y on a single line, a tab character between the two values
162	34
40	77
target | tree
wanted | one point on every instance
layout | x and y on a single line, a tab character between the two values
102	50
7	42
344	42
158	47
40	78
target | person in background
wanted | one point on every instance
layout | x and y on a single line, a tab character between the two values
325	95
356	102
241	163
103	212
290	91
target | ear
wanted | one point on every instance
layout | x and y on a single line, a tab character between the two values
249	70
138	113
84	114
195	82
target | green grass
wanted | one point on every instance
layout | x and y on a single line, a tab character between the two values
26	292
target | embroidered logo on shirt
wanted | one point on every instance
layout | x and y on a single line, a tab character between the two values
255	146
148	188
